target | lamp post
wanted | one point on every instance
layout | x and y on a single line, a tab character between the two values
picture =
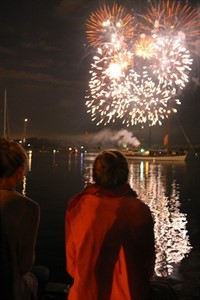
25	127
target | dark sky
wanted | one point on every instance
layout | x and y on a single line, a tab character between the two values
44	66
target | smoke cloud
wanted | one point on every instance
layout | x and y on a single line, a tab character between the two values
118	137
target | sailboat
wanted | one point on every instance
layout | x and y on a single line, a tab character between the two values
155	155
158	154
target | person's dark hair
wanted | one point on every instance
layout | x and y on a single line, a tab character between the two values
12	156
110	169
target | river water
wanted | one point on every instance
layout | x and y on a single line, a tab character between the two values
171	189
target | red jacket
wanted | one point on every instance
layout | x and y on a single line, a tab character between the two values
109	245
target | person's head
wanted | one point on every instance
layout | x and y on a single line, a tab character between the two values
110	169
13	159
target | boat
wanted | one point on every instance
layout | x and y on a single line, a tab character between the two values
150	155
163	154
156	155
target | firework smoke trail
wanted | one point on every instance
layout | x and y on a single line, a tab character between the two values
136	75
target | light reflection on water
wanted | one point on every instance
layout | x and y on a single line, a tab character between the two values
150	181
28	170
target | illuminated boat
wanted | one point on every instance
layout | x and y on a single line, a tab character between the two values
163	154
156	155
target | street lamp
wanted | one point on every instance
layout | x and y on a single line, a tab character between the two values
25	127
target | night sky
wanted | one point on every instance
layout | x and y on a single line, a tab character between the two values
44	66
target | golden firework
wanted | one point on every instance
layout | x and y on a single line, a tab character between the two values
172	18
144	47
109	25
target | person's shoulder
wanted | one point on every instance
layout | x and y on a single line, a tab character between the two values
76	199
27	202
20	207
73	201
139	207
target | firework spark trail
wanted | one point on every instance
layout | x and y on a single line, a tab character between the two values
108	91
136	76
110	27
147	101
171	18
171	62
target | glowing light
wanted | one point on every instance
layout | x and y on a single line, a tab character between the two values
114	70
144	47
29	160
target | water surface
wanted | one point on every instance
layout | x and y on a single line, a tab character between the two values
171	189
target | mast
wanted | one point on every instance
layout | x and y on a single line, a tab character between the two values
150	137
166	136
6	128
5	115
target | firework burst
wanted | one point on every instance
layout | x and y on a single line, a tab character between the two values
171	63
136	75
144	47
172	19
148	101
110	27
107	88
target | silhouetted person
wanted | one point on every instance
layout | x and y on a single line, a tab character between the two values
19	220
109	236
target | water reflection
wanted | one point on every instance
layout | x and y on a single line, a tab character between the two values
156	185
86	170
150	181
24	186
73	161
28	170
29	160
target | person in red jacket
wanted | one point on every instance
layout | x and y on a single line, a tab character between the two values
110	250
